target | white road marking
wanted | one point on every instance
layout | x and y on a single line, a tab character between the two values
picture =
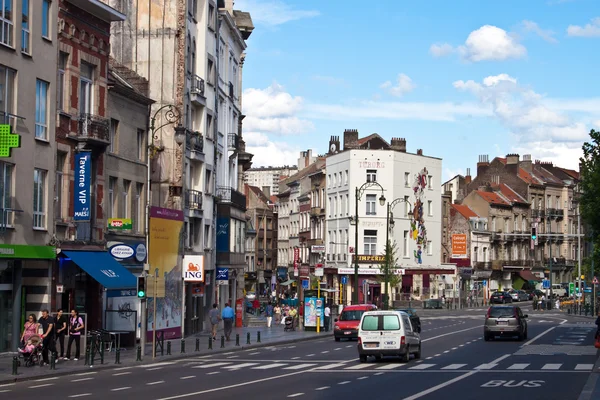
82	379
154	369
440	386
296	394
5	391
422	366
390	366
450	333
325	352
518	366
586	367
238	366
46	379
299	366
121	373
80	395
295	358
160	364
213	373
348	346
121	388
461	345
253	354
379	373
122	368
155	383
231	352
454	366
323	388
39	386
362	378
552	366
309	355
187	377
437	355
86	373
233	357
429	358
329	366
360	366
339	348
219	364
269	366
447	351
454	348
344	383
486	366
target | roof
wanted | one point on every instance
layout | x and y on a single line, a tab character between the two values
501	159
464	210
454	177
259	193
128	83
545	175
273	199
492	198
311	169
510	194
572	173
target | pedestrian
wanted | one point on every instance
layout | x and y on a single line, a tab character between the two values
46	322
227	315
269	314
597	336
75	327
327	317
213	316
31	328
277	311
61	331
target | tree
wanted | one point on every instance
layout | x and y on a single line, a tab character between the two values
589	200
390	279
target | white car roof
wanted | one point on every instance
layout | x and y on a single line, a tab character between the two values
384	312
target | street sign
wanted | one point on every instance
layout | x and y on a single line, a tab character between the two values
571	288
595	281
344	279
546	284
305	283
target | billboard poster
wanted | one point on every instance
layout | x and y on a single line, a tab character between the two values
459	245
313	307
83	178
222	241
165	230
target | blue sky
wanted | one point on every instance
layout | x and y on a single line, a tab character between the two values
457	79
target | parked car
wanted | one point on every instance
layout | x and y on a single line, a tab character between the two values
347	325
415	320
531	293
500	298
518	295
387	333
505	321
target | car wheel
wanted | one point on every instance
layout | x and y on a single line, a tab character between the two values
418	353
378	358
486	337
362	359
337	339
406	356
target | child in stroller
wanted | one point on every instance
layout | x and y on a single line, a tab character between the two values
289	323
31	351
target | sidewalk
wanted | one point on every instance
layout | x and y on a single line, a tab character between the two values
268	337
591	390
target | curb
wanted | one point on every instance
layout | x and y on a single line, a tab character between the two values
179	356
591	390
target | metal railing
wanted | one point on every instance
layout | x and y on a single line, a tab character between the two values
197	85
194	141
193	199
94	127
232	141
226	194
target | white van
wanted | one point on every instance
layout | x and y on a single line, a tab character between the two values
559	290
387	333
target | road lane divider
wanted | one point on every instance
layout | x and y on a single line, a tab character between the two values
450	333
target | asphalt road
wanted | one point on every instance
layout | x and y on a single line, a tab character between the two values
456	362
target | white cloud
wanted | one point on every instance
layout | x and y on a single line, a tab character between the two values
545	34
535	128
490	43
267	152
273	12
403	85
273	110
589	30
441	50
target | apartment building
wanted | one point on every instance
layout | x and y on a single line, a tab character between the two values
28	87
268	177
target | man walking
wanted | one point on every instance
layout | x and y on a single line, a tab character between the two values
47	324
327	315
269	314
60	328
213	316
228	315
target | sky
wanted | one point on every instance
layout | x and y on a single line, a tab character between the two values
457	79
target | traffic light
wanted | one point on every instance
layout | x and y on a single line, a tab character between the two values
533	233
141	287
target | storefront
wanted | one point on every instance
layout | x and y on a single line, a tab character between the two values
25	288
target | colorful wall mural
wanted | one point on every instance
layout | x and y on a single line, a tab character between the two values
418	230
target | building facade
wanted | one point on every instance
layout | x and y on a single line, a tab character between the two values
268	177
28	53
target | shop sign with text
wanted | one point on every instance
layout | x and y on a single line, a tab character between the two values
369	258
120	224
83	177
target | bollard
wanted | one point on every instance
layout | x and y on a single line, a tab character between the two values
139	354
222	342
248	338
258	337
237	339
197	344
169	348
210	340
15	365
87	355
182	345
102	352
118	356
52	360
92	352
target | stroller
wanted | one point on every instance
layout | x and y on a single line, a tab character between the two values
34	356
289	324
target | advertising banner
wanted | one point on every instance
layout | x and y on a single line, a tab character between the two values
193	268
83	179
165	230
313	307
459	245
222	241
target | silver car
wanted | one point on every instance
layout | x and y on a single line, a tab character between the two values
505	321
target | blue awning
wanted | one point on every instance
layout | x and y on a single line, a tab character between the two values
103	268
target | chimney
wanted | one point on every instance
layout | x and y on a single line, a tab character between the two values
483	165
468	176
398	144
267	191
350	138
526	163
419	152
512	163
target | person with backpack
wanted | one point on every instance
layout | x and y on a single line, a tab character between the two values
214	317
75	327
269	314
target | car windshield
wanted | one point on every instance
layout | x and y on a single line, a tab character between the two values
351	315
501	312
497	294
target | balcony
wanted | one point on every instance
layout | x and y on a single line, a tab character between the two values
538	213
193	203
228	195
559	262
262	253
197	91
194	145
314	242
317	212
93	128
556	213
496	236
482	264
233	141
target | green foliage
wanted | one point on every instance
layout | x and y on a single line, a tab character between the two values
590	183
390	265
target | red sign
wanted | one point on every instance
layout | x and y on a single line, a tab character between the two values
295	269
296	254
239	312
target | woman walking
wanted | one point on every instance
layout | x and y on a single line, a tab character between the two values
75	327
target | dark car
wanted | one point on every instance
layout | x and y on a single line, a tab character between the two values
415	320
531	293
505	321
500	298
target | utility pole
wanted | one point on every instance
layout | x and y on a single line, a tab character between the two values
579	251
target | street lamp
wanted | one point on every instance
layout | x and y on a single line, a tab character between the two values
180	134
389	224
354	221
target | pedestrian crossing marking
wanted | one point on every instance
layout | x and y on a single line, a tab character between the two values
269	366
422	366
390	366
518	366
584	367
360	366
552	366
213	365
455	366
330	366
238	366
486	366
300	366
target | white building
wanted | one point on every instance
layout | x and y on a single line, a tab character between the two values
268	177
372	159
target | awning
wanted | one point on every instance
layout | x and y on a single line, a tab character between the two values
287	283
103	268
528	276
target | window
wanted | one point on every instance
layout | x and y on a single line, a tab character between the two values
429	208
406	206
136	213
59	183
429	248
39	199
46	19
86	83
506	225
429	177
346	177
126	204
371	200
370	323
25	40
211	17
493	224
405	244
523	224
407	179
6	192
210	72
6	22
7	93
370	247
114	130
61	82
371	175
392	323
41	109
112	184
141	144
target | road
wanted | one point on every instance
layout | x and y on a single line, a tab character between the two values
554	363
